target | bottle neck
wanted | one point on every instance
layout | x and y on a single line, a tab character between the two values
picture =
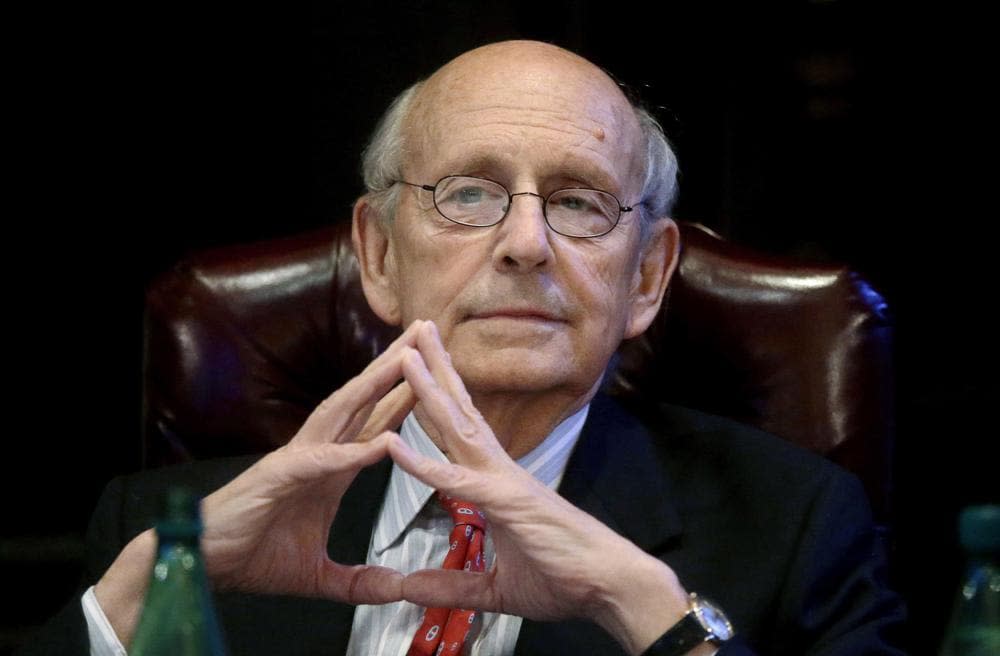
983	564
167	539
983	558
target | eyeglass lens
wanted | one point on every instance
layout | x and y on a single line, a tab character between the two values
572	212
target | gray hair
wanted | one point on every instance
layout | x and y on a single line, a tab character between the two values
659	189
382	162
382	159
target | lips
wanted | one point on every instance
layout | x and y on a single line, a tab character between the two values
515	313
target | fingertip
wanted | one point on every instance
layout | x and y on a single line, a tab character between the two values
368	452
428	330
412	357
408	459
412	331
389	588
445	588
430	341
397	447
371	584
381	440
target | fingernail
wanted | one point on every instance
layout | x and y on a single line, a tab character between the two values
403	449
411	354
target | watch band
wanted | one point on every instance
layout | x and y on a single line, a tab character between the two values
703	622
679	639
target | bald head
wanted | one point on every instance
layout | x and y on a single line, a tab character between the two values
522	85
524	91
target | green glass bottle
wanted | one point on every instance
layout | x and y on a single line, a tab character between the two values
974	629
178	617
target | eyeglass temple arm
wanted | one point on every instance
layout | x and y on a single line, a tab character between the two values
418	186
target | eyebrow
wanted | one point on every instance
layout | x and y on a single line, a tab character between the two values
583	171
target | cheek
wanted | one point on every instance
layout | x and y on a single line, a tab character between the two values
604	285
433	267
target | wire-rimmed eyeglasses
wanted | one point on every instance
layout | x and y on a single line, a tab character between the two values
481	203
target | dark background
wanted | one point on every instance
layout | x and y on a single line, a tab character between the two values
829	129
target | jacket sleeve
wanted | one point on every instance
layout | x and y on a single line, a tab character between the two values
127	507
837	601
834	600
66	632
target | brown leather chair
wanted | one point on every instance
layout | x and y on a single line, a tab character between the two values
242	342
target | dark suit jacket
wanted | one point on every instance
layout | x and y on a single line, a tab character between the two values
781	539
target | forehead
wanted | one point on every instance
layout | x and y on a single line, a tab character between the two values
540	114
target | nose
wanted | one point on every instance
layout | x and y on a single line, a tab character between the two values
523	241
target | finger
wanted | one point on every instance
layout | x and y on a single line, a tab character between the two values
467	439
442	588
389	413
351	432
375	418
439	364
284	471
331	419
330	458
452	479
361	584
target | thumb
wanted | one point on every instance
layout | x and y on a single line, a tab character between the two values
360	584
444	588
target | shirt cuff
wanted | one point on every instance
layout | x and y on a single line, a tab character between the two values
103	640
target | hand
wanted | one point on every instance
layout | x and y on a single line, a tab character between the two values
553	561
267	530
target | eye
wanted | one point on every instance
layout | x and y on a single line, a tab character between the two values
468	195
572	202
461	191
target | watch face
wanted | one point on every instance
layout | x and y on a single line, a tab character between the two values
713	620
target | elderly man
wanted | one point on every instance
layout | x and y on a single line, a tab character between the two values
516	223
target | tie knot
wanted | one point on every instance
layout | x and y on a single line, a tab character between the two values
462	512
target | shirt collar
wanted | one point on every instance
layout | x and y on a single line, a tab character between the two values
405	495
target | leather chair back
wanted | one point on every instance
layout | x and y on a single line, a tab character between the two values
242	342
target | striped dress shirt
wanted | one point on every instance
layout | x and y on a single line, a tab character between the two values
412	534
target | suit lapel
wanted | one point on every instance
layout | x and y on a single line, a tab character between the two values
352	527
615	475
348	544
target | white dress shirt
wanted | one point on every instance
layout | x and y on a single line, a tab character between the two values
410	534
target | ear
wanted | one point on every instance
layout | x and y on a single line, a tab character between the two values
657	261
373	247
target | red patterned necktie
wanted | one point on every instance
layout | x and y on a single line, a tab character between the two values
444	630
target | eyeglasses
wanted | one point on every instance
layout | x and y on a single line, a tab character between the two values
482	203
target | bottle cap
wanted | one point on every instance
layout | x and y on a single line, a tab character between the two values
979	529
181	514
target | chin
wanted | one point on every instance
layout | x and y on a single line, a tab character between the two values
521	374
533	361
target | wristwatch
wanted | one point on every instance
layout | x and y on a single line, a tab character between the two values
703	622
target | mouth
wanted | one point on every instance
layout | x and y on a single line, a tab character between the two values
516	314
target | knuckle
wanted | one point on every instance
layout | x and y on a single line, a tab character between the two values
467	430
456	477
328	405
